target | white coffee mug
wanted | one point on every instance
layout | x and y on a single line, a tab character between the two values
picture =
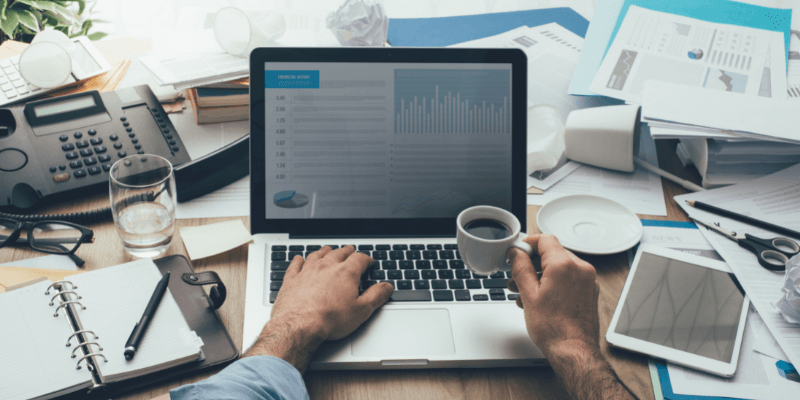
487	256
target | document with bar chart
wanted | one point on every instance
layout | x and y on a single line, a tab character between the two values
386	140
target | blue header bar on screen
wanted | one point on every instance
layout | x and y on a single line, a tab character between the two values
291	79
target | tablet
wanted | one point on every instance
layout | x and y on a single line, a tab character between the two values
683	308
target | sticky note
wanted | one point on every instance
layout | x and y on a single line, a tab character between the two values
208	240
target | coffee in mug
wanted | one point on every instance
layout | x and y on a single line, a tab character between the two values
484	235
488	229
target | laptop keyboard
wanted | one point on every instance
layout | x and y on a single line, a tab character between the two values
419	273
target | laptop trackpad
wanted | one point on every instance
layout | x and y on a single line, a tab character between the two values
404	334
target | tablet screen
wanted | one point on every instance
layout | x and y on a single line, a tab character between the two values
682	306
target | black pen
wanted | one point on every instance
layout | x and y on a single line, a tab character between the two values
743	218
141	327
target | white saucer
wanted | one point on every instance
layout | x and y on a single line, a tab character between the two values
590	224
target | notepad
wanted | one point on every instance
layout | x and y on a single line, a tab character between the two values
40	365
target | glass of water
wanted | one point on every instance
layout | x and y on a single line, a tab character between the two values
142	189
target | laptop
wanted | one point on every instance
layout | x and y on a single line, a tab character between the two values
381	148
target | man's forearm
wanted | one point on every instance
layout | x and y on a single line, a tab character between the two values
286	340
585	373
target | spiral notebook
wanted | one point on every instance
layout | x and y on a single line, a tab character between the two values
91	316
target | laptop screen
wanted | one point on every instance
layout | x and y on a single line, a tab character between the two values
386	140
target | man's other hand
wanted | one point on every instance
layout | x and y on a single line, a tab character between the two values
561	306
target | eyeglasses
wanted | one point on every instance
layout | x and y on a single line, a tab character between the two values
54	237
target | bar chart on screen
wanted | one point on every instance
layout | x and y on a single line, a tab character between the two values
452	101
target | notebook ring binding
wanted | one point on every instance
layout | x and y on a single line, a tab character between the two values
65	303
90	355
82	331
57	283
64	292
99	348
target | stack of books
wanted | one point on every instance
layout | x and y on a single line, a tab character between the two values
221	102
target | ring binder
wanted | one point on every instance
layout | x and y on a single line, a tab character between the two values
88	356
79	332
65	303
86	344
57	284
62	293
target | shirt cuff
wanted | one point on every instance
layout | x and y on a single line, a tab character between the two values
263	377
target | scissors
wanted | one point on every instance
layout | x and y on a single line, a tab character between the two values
772	254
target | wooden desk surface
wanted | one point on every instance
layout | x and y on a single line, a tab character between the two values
500	383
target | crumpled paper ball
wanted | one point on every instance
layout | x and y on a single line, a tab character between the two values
359	23
789	303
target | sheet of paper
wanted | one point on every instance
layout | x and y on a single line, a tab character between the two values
774	199
640	191
12	276
765	343
230	201
652	45
756	375
208	240
744	116
793	69
681	236
53	261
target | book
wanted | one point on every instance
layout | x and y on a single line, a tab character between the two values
209	97
234	84
210	115
71	335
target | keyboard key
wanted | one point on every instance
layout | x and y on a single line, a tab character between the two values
90	161
82	144
389	264
332	246
67	147
423	264
297	247
456	284
422	285
456	264
95	141
463	274
375	265
377	274
277	275
451	247
313	247
403	285
497	296
442	295
473	284
437	284
413	255
446	255
480	297
72	155
400	247
476	276
104	158
508	274
380	255
94	170
308	253
279	265
367	252
292	254
273	296
79	173
366	284
434	247
429	255
86	152
462	295
446	274
406	264
394	274
428	274
278	256
275	286
396	255
390	282
417	247
76	164
513	296
411	295
278	248
100	149
411	274
496	291
439	264
495	283
458	255
498	275
365	247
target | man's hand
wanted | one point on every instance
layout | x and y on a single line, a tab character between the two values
319	301
562	317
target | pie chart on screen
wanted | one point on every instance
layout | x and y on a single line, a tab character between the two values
290	199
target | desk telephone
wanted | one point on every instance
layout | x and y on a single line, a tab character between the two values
68	144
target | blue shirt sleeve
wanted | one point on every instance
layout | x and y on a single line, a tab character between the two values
257	377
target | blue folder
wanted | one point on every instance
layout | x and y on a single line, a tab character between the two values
444	31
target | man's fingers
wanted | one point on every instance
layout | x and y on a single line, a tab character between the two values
552	253
319	254
523	273
360	262
340	254
294	268
512	286
519	303
375	297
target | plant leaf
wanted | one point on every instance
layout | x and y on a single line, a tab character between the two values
9	24
3	6
97	35
25	18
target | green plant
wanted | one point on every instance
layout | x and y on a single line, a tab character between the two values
22	19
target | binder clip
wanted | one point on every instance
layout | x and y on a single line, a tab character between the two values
218	293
